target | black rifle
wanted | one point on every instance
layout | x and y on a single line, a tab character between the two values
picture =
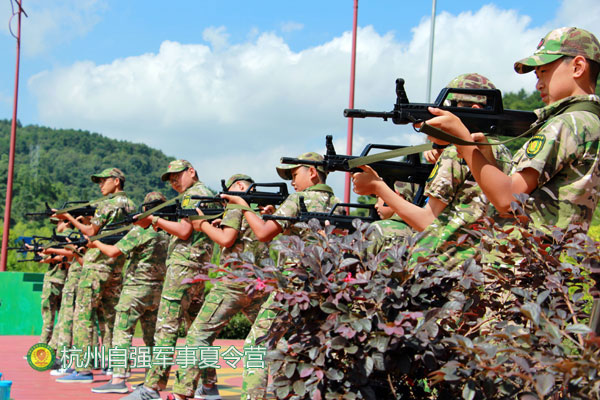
85	211
492	118
30	244
342	221
260	198
411	170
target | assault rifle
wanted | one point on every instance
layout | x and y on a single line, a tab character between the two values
492	118
30	244
260	198
85	210
175	211
411	170
339	221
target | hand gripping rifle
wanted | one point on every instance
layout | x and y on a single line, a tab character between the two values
260	197
492	118
28	244
411	170
340	221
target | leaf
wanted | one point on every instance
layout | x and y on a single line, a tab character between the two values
368	366
338	343
329	307
544	383
468	392
282	391
334	374
532	311
290	368
299	388
306	371
578	328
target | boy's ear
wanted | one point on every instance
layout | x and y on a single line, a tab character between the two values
313	173
580	66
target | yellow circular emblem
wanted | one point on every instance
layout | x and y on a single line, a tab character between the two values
433	172
41	357
535	145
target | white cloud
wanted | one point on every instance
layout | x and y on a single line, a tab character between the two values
51	24
291	26
239	107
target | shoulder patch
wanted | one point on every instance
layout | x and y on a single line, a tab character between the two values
535	145
433	172
185	201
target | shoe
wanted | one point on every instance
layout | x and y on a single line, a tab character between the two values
207	393
59	372
142	393
112	388
76	377
106	371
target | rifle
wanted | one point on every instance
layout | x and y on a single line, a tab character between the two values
492	118
174	211
30	244
339	221
260	198
85	210
411	170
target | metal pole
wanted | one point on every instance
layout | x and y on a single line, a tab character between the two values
11	152
431	38
351	102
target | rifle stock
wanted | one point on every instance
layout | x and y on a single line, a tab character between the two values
260	197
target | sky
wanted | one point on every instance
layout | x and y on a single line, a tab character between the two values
234	85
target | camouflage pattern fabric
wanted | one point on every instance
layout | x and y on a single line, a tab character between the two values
386	233
54	280
558	43
186	259
100	285
317	198
142	287
223	301
469	81
452	183
565	152
64	325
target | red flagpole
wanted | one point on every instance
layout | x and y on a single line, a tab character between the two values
13	141
351	102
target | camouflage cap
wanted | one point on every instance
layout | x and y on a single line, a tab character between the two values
469	81
237	177
109	173
558	43
154	196
405	189
285	170
176	166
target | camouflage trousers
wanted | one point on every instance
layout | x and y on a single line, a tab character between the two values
51	299
97	293
64	326
256	380
137	303
175	300
222	302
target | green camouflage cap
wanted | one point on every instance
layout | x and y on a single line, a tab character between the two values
285	170
558	43
237	177
109	173
175	166
469	81
154	196
405	189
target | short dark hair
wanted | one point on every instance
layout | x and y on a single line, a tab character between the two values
322	176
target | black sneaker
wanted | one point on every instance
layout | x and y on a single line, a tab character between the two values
207	393
111	387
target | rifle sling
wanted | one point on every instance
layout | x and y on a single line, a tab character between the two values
81	205
229	206
429	130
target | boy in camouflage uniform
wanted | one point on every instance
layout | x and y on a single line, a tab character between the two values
54	281
146	251
454	199
188	253
100	284
226	298
309	183
558	167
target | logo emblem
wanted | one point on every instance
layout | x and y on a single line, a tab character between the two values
535	145
185	202
540	44
41	357
433	172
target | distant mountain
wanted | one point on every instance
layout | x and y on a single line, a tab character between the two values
55	165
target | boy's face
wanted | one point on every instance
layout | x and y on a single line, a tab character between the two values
555	80
108	185
384	211
301	178
181	181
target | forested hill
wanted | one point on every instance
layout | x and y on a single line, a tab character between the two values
55	165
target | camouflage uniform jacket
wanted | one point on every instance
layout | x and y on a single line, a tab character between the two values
565	152
451	182
246	240
196	249
112	209
387	232
147	253
317	198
